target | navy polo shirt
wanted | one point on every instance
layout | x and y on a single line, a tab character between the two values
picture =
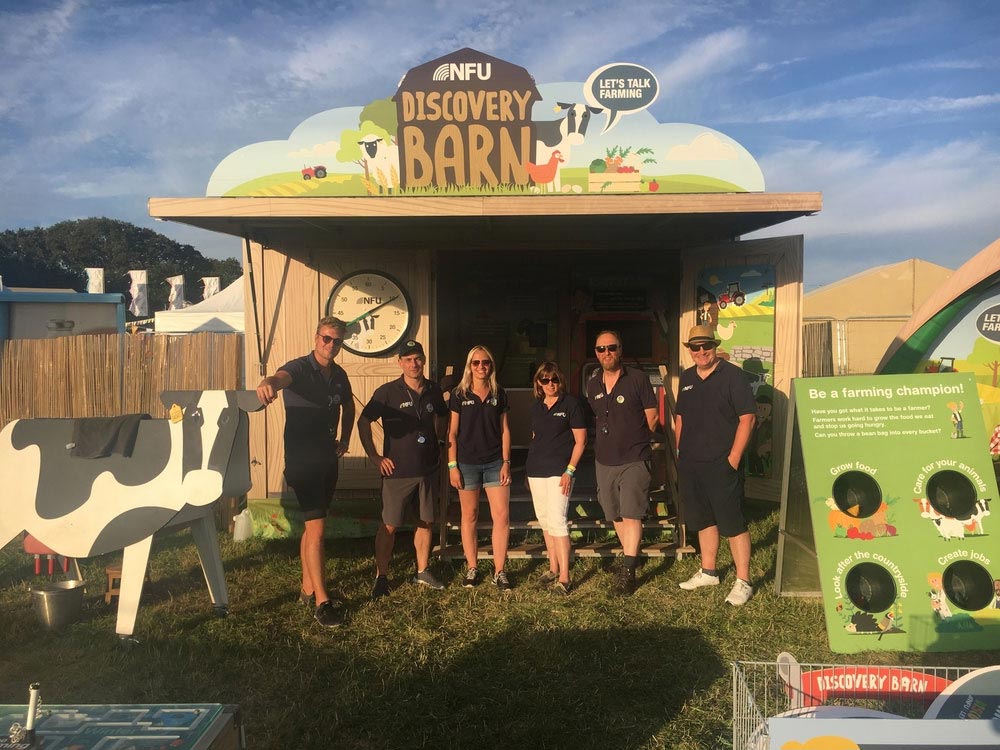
480	435
710	411
312	408
622	434
406	418
552	435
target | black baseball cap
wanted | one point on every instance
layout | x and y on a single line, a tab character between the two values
410	347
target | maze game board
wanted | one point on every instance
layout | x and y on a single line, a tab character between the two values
208	726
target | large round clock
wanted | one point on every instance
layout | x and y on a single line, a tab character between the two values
376	310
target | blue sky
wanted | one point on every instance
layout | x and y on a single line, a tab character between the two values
892	110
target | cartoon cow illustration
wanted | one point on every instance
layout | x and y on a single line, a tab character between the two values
80	507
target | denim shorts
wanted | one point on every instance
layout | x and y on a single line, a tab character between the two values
475	476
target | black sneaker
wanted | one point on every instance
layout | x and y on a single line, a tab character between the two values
471	578
623	583
501	581
546	579
381	588
426	578
330	614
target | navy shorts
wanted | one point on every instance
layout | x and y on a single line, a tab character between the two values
712	492
314	485
475	476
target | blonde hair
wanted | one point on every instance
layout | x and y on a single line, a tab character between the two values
331	322
548	369
465	385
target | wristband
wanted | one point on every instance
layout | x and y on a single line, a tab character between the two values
506	460
570	471
571	468
453	464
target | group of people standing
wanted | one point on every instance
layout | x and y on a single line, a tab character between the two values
415	418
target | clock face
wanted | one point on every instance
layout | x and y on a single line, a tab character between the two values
375	309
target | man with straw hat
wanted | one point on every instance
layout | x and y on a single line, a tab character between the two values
715	418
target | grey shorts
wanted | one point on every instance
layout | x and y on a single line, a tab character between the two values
623	491
418	495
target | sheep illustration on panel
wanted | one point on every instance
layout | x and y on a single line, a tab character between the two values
176	469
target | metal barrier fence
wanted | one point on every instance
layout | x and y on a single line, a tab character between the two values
762	690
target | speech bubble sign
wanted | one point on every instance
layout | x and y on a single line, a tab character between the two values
621	89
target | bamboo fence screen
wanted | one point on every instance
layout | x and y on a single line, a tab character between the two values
107	375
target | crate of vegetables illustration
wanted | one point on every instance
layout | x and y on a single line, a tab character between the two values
620	171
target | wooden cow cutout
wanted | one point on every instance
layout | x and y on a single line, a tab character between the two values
82	507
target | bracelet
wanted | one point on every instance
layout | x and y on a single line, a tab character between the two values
506	460
453	464
571	471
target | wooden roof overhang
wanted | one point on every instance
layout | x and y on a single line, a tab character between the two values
571	222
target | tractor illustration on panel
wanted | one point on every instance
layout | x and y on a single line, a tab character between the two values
732	296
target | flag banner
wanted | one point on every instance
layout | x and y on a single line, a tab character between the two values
95	280
176	299
211	286
139	306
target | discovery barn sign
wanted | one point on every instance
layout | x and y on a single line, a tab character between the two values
465	119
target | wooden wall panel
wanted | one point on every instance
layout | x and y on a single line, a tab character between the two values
785	254
292	286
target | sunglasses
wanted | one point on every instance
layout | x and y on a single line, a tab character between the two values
483	362
546	381
700	347
610	348
331	340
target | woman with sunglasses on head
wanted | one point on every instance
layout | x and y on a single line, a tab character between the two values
479	457
558	437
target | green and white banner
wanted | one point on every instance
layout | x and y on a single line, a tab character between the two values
899	485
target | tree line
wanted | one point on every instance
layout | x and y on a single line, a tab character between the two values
56	256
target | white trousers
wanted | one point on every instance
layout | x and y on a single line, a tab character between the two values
551	505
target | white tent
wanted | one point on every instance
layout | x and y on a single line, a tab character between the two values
220	313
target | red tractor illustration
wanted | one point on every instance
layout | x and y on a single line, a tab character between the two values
733	295
319	172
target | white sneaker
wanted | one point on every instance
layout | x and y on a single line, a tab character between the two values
741	593
698	580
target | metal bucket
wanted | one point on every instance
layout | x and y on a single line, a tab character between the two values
58	603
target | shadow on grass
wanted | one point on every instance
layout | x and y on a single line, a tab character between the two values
571	688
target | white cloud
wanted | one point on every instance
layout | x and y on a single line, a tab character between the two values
708	56
705	146
319	150
871	107
866	193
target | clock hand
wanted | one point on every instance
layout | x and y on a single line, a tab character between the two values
377	307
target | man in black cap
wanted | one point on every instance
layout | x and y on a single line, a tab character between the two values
715	417
413	412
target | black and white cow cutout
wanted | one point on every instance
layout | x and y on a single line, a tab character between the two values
81	507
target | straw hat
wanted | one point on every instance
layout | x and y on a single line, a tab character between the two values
701	335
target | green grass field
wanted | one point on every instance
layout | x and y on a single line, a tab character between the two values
450	669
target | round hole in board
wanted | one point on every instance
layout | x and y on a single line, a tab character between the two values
968	585
951	494
870	587
857	494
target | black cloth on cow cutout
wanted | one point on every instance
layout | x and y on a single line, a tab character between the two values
99	437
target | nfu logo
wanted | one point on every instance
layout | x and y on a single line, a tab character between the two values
463	71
